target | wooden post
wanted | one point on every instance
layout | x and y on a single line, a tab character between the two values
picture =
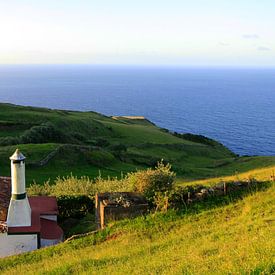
102	221
224	188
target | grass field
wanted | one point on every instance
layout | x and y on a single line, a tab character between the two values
232	236
94	144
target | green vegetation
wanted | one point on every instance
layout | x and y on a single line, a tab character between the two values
227	235
76	196
73	155
58	143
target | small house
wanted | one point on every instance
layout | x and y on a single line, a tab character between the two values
26	223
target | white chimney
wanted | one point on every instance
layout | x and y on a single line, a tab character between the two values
19	213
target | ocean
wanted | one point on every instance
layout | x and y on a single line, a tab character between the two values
235	106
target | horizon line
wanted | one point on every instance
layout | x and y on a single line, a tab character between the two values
142	65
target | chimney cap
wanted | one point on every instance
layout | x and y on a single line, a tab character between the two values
18	156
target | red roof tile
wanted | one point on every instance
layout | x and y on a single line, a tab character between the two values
44	205
5	194
50	230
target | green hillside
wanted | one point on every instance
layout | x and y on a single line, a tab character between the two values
58	143
232	235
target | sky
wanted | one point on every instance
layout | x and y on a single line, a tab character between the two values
146	32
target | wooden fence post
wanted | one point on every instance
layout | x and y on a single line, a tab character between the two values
224	188
102	218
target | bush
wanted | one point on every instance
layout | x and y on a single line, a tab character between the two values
150	182
162	201
75	186
40	190
78	137
179	195
155	184
118	148
74	206
46	132
101	142
99	158
4	141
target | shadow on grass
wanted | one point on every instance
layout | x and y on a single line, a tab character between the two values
223	200
162	220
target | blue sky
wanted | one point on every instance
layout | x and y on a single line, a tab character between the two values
151	32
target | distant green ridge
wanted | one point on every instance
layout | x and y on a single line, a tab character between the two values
91	143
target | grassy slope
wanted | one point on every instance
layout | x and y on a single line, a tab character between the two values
145	144
261	174
235	238
227	239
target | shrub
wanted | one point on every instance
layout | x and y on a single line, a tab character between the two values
155	184
46	132
118	148
178	197
74	196
162	201
152	181
40	190
101	142
99	158
78	136
113	185
4	141
75	186
74	206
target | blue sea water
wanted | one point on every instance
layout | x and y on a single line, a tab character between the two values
234	106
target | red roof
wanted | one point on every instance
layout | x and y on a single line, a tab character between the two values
5	195
41	205
44	205
50	230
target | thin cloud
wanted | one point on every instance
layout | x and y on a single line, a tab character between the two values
224	44
251	36
263	48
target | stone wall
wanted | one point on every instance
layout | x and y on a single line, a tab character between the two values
118	205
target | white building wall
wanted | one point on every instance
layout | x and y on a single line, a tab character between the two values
16	244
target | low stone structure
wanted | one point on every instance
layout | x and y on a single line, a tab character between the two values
118	205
